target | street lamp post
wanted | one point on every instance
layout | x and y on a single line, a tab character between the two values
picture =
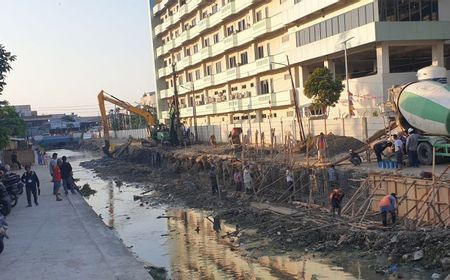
350	110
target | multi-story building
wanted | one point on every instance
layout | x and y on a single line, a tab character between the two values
230	57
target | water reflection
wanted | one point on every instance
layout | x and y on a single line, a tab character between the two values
198	252
111	204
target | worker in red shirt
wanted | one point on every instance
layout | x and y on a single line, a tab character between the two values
388	204
57	179
336	197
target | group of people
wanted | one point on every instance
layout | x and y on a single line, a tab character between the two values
241	179
62	175
42	157
401	145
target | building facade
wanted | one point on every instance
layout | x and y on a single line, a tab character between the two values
230	57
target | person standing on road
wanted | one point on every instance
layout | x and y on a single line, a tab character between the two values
213	178
66	175
31	181
412	142
388	204
57	179
322	147
379	147
336	197
398	149
247	181
53	163
14	159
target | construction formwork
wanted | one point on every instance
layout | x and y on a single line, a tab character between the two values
424	202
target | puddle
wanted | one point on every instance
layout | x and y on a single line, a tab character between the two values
187	245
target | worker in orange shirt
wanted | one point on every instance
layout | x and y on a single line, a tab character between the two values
388	204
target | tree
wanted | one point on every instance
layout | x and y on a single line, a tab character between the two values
10	122
323	89
5	65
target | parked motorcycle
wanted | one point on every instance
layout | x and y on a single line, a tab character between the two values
3	228
5	201
13	179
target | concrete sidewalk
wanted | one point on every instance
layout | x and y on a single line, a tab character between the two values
63	240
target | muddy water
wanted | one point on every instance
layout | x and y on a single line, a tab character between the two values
187	245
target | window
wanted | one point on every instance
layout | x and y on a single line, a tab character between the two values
218	67
264	86
178	56
193	22
329	28
189	77
348	21
197	74
208	71
244	58
258	16
195	48
216	38
260	52
232	62
188	52
369	13
362	19
241	25
407	10
335	25
214	9
323	30
312	36
229	30
341	23
206	42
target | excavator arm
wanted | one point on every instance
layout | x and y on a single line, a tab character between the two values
102	97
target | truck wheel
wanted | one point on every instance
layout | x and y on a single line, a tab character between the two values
425	153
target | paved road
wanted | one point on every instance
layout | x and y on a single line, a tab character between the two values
63	240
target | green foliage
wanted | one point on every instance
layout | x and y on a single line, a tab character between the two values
10	125
323	89
68	118
5	65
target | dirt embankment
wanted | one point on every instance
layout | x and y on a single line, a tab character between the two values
180	177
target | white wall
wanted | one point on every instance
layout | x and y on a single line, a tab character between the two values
125	134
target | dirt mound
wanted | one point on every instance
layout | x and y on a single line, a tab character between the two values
336	144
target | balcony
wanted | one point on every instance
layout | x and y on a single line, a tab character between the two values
185	62
228	10
205	53
186	112
182	11
207	81
160	50
162	72
233	73
165	93
203	24
230	42
261	27
157	30
264	64
157	8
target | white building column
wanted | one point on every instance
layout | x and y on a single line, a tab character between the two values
331	66
383	59
437	53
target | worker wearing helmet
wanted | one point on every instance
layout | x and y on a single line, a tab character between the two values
388	204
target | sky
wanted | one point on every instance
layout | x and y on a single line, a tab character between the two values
69	50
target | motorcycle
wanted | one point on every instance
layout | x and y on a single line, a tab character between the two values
5	201
3	228
13	179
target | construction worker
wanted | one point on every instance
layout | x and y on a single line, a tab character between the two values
322	147
380	147
336	197
213	178
398	149
388	204
332	176
289	180
247	180
412	142
355	159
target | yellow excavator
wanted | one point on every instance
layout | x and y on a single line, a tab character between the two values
102	97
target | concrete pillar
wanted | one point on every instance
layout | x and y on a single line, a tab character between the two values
437	53
331	66
383	58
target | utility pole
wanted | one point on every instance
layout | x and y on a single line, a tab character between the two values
296	103
350	101
175	118
194	112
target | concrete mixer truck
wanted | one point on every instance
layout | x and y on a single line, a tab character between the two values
424	105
